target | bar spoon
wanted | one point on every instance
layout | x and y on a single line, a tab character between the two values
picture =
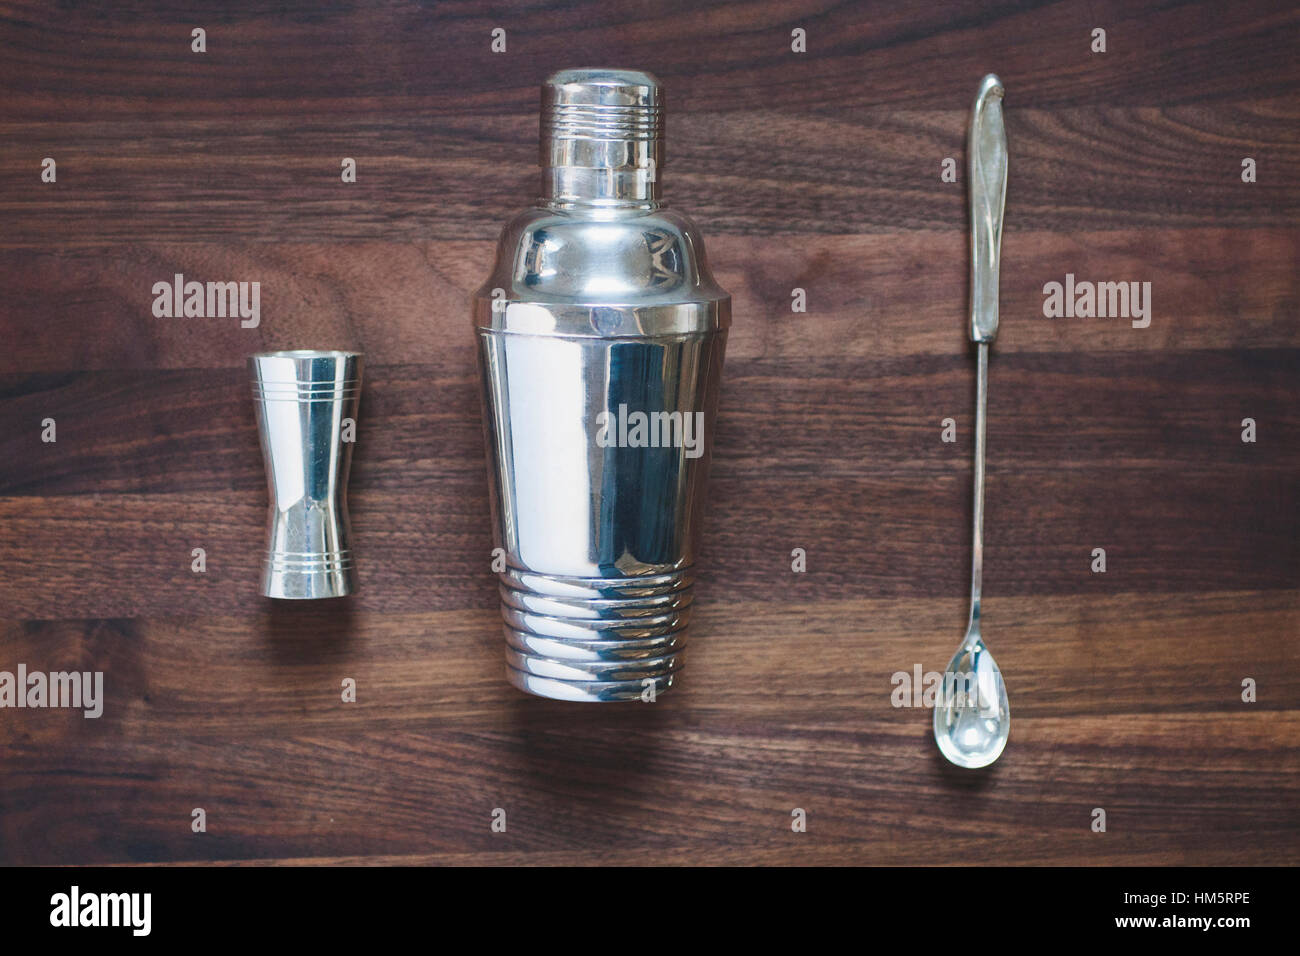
971	717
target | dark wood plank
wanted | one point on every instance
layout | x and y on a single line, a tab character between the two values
874	794
868	296
305	57
129	556
276	670
187	431
1094	167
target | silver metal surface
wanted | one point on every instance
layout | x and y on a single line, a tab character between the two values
987	175
600	307
304	399
988	197
969	734
977	533
602	136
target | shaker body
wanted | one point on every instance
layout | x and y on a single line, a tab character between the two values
601	335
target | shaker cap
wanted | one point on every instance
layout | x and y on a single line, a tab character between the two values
602	134
602	87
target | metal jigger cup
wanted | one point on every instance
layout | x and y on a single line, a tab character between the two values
305	401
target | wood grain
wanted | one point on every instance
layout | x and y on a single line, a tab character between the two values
868	297
356	59
1151	654
817	171
750	173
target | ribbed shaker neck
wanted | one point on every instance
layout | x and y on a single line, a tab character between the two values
602	136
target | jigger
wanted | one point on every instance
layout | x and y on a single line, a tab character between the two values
306	413
601	335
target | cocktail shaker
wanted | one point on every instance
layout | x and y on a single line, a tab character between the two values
601	336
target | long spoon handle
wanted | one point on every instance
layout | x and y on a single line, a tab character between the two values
977	552
987	152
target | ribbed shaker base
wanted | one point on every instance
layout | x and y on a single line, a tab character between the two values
309	576
595	639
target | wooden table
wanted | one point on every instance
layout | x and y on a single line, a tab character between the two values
819	171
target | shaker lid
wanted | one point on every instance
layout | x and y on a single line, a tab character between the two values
602	134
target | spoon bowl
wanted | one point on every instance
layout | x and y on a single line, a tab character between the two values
972	719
